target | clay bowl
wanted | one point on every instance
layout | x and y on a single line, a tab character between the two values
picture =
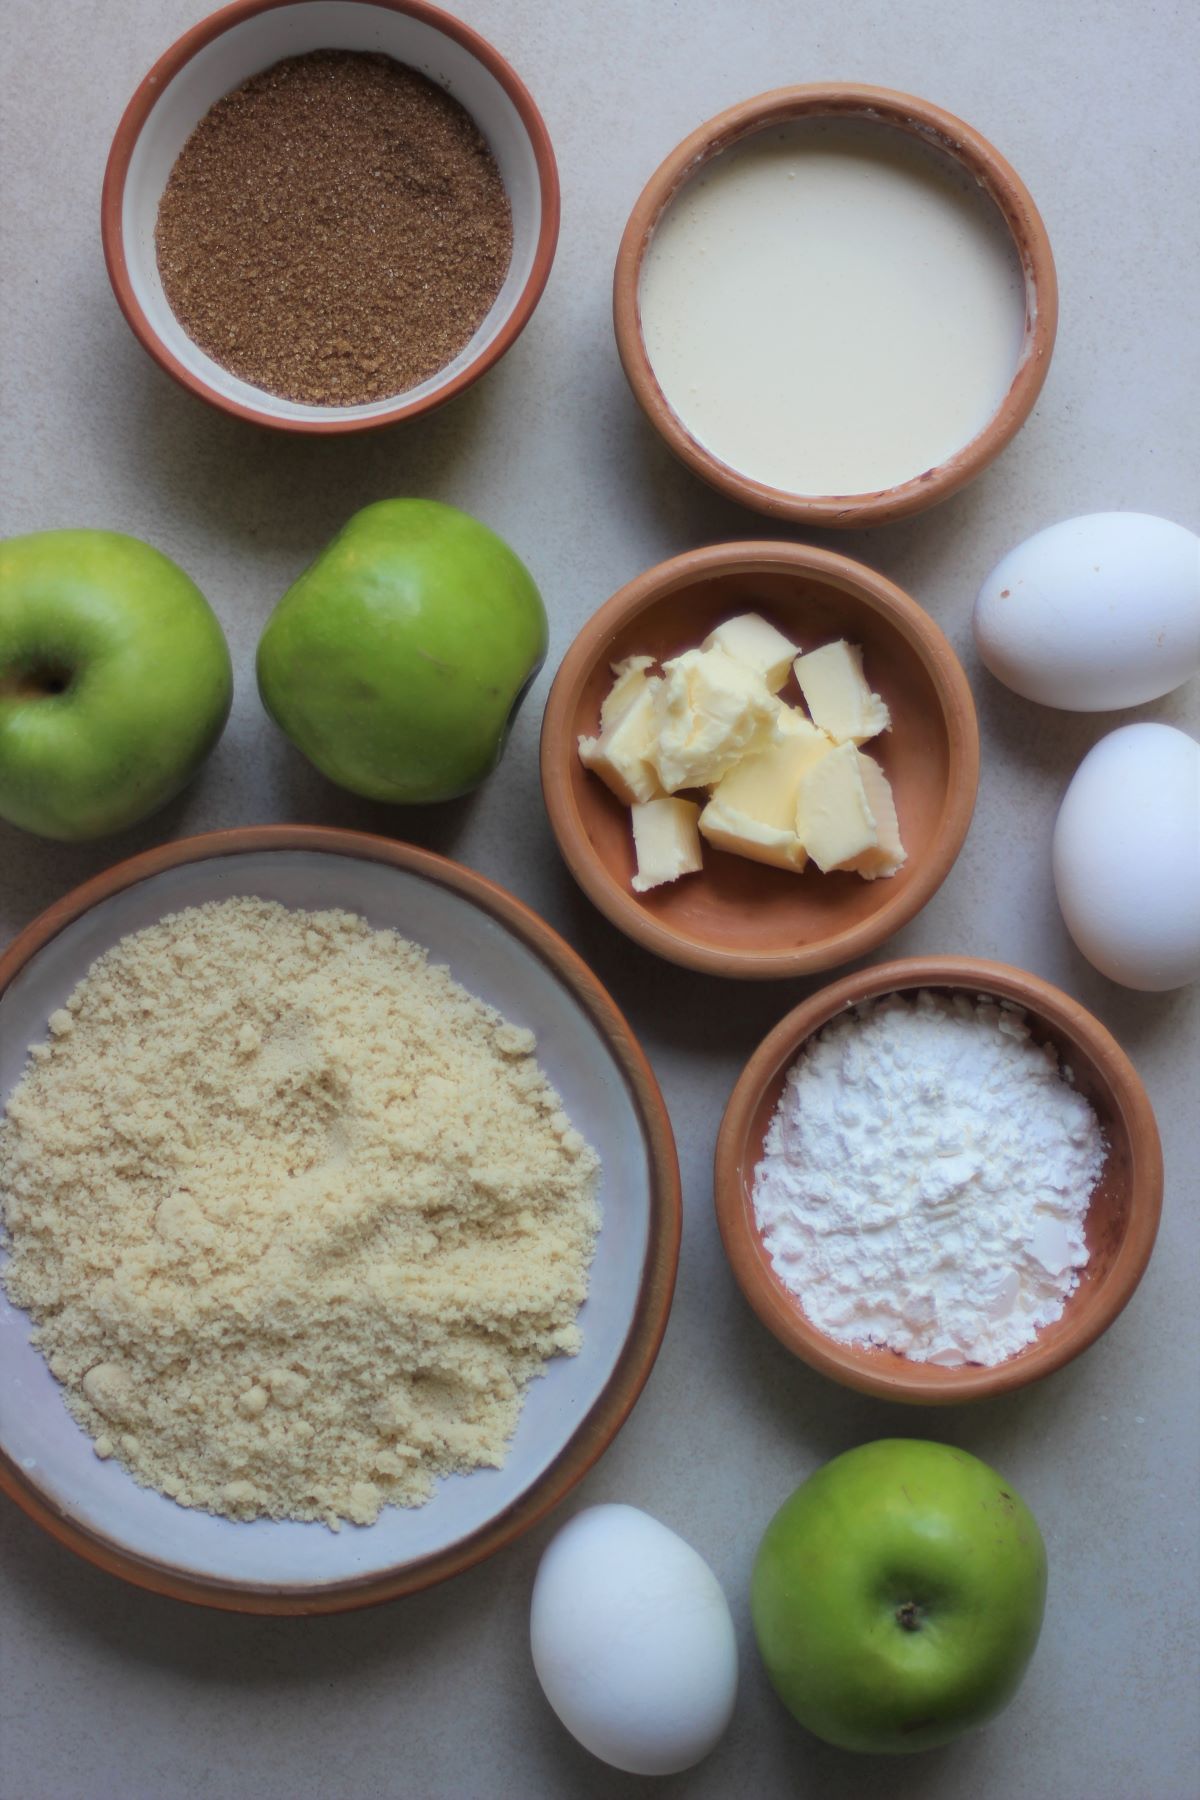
1121	1224
224	50
502	952
739	918
889	111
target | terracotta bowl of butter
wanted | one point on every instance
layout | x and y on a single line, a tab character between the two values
1122	1219
739	918
221	52
944	133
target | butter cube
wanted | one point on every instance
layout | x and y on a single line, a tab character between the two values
834	820
666	840
752	811
750	639
764	783
708	711
726	828
837	695
620	755
888	854
629	684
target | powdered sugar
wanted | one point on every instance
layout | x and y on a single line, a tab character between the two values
926	1178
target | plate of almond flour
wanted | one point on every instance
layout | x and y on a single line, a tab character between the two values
340	1217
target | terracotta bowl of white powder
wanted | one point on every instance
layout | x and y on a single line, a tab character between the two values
938	1179
487	948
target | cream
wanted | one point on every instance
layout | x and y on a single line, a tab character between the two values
832	307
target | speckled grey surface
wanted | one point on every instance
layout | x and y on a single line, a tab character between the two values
110	1694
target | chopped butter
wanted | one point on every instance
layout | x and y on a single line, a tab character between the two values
666	840
752	811
834	820
751	640
764	784
837	695
708	711
888	854
726	828
620	755
630	682
782	786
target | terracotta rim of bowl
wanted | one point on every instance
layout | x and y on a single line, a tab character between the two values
920	118
600	1425
736	1157
113	195
751	557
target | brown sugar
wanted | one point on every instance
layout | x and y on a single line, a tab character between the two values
334	230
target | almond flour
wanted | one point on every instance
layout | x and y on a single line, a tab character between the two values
296	1217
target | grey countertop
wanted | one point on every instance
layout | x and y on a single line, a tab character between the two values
107	1693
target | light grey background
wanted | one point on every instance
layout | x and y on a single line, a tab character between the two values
110	1694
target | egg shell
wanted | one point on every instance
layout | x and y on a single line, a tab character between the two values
1127	857
633	1642
1093	613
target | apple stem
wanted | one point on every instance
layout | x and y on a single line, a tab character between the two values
908	1617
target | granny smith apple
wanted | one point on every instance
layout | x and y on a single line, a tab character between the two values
898	1595
115	681
398	660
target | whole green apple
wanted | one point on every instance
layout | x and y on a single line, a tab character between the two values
898	1595
398	660
115	681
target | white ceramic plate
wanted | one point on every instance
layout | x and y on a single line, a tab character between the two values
505	955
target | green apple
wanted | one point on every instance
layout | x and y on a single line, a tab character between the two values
398	660
898	1595
115	681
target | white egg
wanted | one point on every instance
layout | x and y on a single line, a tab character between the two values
632	1641
1127	857
1094	613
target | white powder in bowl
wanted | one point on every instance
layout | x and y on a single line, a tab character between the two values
297	1217
926	1179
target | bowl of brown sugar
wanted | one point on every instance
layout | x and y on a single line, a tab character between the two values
328	218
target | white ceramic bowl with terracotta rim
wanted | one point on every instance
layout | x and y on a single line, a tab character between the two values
1122	1219
888	108
224	50
738	918
502	952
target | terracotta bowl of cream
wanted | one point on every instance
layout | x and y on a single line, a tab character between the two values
223	51
1122	1219
507	956
740	918
958	145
